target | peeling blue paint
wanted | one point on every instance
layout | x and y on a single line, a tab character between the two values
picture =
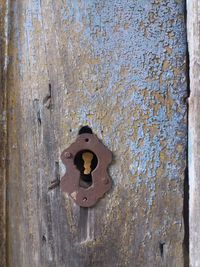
139	74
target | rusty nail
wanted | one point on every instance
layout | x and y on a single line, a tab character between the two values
54	184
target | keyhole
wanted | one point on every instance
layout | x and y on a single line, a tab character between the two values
87	158
85	161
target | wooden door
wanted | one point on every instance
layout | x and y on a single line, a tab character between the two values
119	67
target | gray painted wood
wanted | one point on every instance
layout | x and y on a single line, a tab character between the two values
193	15
119	67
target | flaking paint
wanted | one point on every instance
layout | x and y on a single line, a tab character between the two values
119	67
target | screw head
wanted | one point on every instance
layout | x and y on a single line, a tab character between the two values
68	155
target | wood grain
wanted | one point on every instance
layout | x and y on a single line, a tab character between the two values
3	128
119	67
193	29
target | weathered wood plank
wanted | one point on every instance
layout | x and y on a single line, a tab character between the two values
3	135
119	67
193	28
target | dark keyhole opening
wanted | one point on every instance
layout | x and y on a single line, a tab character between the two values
85	129
85	161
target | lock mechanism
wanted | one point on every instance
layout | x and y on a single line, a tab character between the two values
86	179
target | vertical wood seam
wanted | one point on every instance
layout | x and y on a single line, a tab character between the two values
3	126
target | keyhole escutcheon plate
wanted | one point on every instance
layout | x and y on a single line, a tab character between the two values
101	182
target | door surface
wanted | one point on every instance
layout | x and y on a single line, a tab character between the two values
120	68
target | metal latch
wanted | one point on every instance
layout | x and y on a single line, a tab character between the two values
86	179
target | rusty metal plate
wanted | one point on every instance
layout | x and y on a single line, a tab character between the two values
71	181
